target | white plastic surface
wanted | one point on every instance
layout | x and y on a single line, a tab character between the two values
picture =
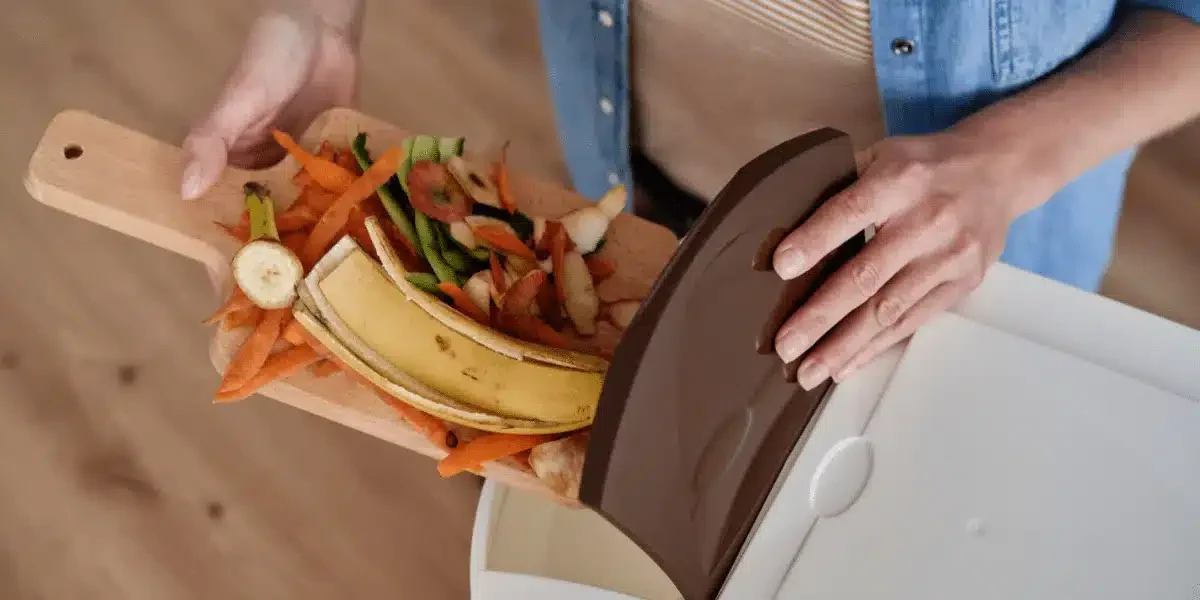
527	548
1007	470
840	477
1039	443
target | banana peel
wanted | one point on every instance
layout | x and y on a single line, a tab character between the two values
349	303
495	340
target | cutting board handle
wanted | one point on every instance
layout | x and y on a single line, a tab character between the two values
129	182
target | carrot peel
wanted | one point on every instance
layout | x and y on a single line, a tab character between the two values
488	448
325	172
277	366
503	240
522	296
244	317
498	279
600	268
335	219
238	300
463	303
254	352
430	427
503	189
324	368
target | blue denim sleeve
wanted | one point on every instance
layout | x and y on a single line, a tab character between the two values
1183	8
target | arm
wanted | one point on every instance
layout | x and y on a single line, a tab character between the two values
1142	82
300	59
944	202
342	16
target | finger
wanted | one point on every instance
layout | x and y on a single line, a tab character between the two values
206	159
940	299
880	312
207	146
852	285
272	67
840	218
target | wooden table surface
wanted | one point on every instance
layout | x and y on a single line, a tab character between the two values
118	478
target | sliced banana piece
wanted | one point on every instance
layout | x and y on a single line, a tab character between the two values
268	272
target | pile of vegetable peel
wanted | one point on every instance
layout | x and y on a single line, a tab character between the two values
456	228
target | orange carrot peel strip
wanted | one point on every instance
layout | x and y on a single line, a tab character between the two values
502	239
238	300
324	368
254	352
487	448
550	307
325	172
553	230
244	317
295	218
325	232
600	268
237	232
522	297
295	334
430	427
498	279
463	303
294	241
503	188
347	161
316	198
533	329
277	366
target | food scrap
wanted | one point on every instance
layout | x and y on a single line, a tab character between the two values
452	229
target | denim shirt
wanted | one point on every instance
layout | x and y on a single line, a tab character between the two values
936	62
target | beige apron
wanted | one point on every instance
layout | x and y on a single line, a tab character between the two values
717	82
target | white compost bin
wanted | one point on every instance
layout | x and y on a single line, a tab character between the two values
1036	443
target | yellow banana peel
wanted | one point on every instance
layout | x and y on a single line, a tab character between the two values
349	303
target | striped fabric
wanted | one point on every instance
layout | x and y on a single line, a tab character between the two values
714	83
842	26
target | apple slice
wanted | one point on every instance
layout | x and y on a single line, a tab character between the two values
579	293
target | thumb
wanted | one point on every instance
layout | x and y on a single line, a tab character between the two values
207	156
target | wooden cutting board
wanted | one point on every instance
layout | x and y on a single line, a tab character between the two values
126	181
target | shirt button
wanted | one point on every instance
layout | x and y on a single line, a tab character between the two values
614	179
902	47
606	106
605	18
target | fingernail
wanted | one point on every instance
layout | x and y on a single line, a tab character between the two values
790	263
193	181
811	374
790	345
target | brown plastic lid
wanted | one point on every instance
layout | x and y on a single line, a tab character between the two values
698	415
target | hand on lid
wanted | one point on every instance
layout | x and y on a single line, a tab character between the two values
942	205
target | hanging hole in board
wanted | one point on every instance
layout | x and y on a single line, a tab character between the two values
73	151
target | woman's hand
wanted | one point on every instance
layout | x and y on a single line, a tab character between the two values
942	205
296	65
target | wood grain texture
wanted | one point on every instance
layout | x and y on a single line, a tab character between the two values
118	478
102	172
